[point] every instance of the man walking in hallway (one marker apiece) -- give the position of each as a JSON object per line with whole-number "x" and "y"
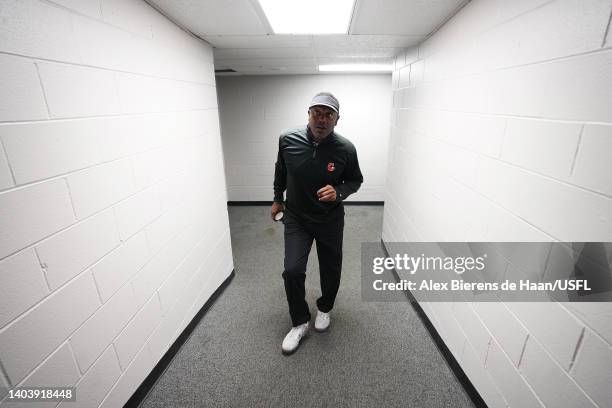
{"x": 319, "y": 169}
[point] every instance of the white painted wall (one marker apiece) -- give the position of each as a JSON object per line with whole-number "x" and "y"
{"x": 255, "y": 109}
{"x": 110, "y": 238}
{"x": 502, "y": 131}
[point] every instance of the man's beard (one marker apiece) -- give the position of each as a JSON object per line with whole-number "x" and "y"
{"x": 319, "y": 138}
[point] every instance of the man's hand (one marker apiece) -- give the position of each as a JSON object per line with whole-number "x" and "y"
{"x": 327, "y": 193}
{"x": 276, "y": 208}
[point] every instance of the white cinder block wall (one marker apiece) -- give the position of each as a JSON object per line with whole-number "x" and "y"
{"x": 254, "y": 110}
{"x": 502, "y": 131}
{"x": 110, "y": 237}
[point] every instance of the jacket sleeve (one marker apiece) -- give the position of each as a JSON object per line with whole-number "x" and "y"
{"x": 280, "y": 175}
{"x": 352, "y": 177}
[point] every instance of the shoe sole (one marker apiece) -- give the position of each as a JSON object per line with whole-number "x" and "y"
{"x": 290, "y": 352}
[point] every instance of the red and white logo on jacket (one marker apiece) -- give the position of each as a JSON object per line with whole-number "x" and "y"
{"x": 331, "y": 166}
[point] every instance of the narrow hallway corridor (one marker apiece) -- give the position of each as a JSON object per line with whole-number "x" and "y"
{"x": 143, "y": 143}
{"x": 375, "y": 354}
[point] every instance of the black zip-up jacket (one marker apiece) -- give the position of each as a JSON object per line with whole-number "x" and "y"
{"x": 303, "y": 167}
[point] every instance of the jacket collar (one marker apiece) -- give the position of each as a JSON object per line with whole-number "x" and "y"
{"x": 311, "y": 137}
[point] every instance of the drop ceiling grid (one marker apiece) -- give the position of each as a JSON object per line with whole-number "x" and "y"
{"x": 239, "y": 33}
{"x": 401, "y": 17}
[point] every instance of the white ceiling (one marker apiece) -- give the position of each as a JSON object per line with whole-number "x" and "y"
{"x": 244, "y": 41}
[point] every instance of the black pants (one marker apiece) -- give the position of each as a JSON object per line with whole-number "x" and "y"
{"x": 299, "y": 235}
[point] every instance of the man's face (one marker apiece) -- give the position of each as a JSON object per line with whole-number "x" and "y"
{"x": 321, "y": 121}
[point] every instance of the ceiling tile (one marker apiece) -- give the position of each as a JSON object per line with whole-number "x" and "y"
{"x": 215, "y": 17}
{"x": 233, "y": 53}
{"x": 242, "y": 38}
{"x": 366, "y": 41}
{"x": 356, "y": 52}
{"x": 272, "y": 62}
{"x": 356, "y": 60}
{"x": 259, "y": 41}
{"x": 270, "y": 71}
{"x": 401, "y": 17}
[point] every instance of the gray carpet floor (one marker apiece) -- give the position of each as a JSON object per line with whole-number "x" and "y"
{"x": 374, "y": 354}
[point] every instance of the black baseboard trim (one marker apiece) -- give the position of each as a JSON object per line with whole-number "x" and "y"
{"x": 141, "y": 393}
{"x": 451, "y": 361}
{"x": 243, "y": 203}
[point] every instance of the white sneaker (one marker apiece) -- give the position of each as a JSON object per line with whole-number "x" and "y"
{"x": 292, "y": 339}
{"x": 322, "y": 321}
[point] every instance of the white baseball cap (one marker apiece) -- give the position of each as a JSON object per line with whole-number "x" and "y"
{"x": 325, "y": 99}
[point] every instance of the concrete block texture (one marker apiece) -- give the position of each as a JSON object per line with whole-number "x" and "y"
{"x": 597, "y": 316}
{"x": 591, "y": 170}
{"x": 99, "y": 187}
{"x": 115, "y": 269}
{"x": 22, "y": 285}
{"x": 97, "y": 235}
{"x": 109, "y": 145}
{"x": 130, "y": 379}
{"x": 552, "y": 385}
{"x": 38, "y": 29}
{"x": 161, "y": 266}
{"x": 137, "y": 212}
{"x": 90, "y": 8}
{"x": 514, "y": 387}
{"x": 557, "y": 329}
{"x": 552, "y": 206}
{"x": 97, "y": 381}
{"x": 23, "y": 345}
{"x": 133, "y": 337}
{"x": 481, "y": 379}
{"x": 4, "y": 387}
{"x": 507, "y": 330}
{"x": 470, "y": 322}
{"x": 25, "y": 221}
{"x": 593, "y": 368}
{"x": 59, "y": 370}
{"x": 42, "y": 150}
{"x": 132, "y": 15}
{"x": 502, "y": 133}
{"x": 92, "y": 338}
{"x": 176, "y": 283}
{"x": 75, "y": 91}
{"x": 23, "y": 95}
{"x": 6, "y": 177}
{"x": 544, "y": 147}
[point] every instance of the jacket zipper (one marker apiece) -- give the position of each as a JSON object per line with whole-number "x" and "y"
{"x": 314, "y": 152}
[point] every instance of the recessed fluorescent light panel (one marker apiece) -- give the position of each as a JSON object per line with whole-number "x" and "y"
{"x": 308, "y": 17}
{"x": 357, "y": 68}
